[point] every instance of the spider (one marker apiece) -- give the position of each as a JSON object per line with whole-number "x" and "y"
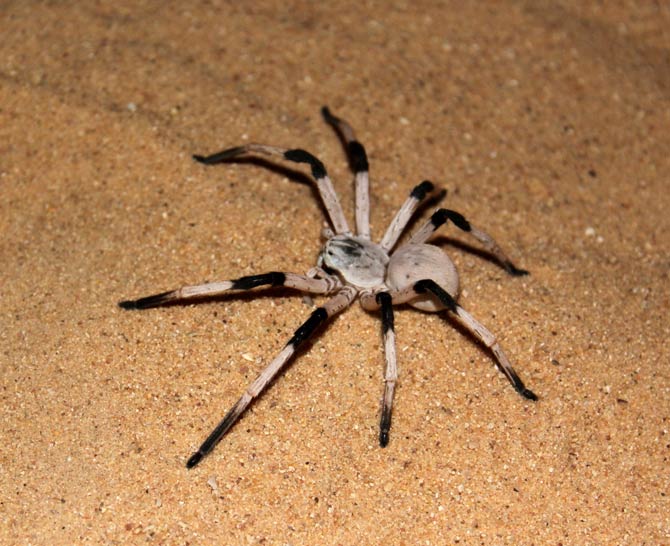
{"x": 381, "y": 275}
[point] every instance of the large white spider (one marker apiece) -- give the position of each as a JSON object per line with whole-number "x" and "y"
{"x": 353, "y": 266}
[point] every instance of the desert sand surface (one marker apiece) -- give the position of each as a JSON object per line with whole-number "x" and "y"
{"x": 548, "y": 125}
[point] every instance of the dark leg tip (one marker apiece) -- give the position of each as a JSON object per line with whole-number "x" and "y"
{"x": 527, "y": 393}
{"x": 194, "y": 459}
{"x": 149, "y": 301}
{"x": 327, "y": 115}
{"x": 220, "y": 156}
{"x": 383, "y": 438}
{"x": 419, "y": 192}
{"x": 515, "y": 271}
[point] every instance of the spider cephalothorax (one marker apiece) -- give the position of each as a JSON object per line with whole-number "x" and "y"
{"x": 350, "y": 266}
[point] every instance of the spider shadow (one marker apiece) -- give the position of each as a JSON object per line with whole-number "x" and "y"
{"x": 293, "y": 175}
{"x": 445, "y": 240}
{"x": 270, "y": 293}
{"x": 448, "y": 318}
{"x": 300, "y": 177}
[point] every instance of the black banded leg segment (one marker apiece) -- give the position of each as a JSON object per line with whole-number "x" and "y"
{"x": 442, "y": 216}
{"x": 302, "y": 283}
{"x": 300, "y": 335}
{"x": 358, "y": 160}
{"x": 385, "y": 303}
{"x": 220, "y": 157}
{"x": 336, "y": 304}
{"x": 297, "y": 155}
{"x": 403, "y": 216}
{"x": 478, "y": 330}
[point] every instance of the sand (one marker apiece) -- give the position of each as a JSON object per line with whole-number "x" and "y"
{"x": 547, "y": 122}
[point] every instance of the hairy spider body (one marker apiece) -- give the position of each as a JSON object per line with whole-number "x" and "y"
{"x": 350, "y": 266}
{"x": 359, "y": 262}
{"x": 412, "y": 263}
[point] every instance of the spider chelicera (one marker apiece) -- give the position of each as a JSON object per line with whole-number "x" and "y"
{"x": 350, "y": 266}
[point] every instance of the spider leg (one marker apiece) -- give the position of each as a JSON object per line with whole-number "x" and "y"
{"x": 479, "y": 331}
{"x": 323, "y": 183}
{"x": 333, "y": 306}
{"x": 358, "y": 160}
{"x": 303, "y": 283}
{"x": 402, "y": 217}
{"x": 385, "y": 301}
{"x": 441, "y": 217}
{"x": 473, "y": 326}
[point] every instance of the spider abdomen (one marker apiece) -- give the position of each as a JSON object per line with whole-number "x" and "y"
{"x": 416, "y": 262}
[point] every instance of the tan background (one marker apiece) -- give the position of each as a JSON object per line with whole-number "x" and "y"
{"x": 547, "y": 122}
